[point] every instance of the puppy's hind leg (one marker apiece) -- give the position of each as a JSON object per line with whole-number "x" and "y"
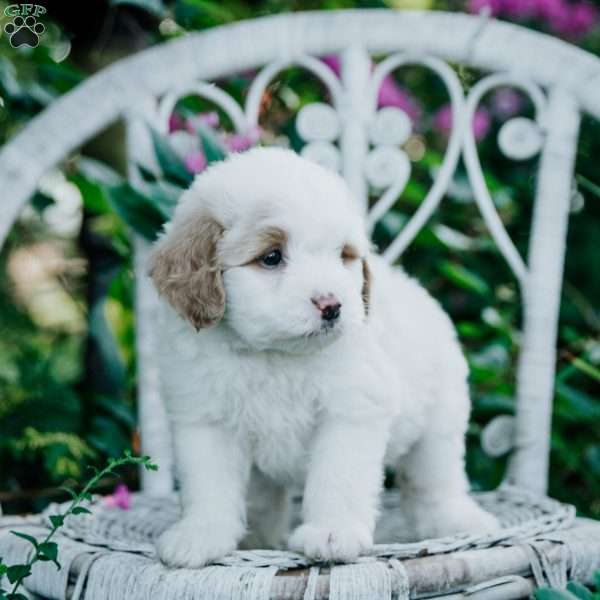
{"x": 434, "y": 488}
{"x": 269, "y": 513}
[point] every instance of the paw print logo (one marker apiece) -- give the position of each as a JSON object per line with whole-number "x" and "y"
{"x": 24, "y": 31}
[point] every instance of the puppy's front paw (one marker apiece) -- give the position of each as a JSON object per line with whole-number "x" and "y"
{"x": 342, "y": 542}
{"x": 191, "y": 544}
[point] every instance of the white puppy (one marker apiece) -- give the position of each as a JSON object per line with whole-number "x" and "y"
{"x": 291, "y": 353}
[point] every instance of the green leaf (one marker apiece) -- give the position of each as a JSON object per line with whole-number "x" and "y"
{"x": 579, "y": 590}
{"x": 138, "y": 211}
{"x": 16, "y": 596}
{"x": 16, "y": 572}
{"x": 590, "y": 186}
{"x": 81, "y": 510}
{"x": 69, "y": 491}
{"x": 146, "y": 174}
{"x": 200, "y": 14}
{"x": 575, "y": 405}
{"x": 147, "y": 462}
{"x": 171, "y": 165}
{"x": 164, "y": 197}
{"x": 117, "y": 409}
{"x": 49, "y": 551}
{"x": 57, "y": 520}
{"x": 214, "y": 150}
{"x": 553, "y": 594}
{"x": 92, "y": 193}
{"x": 586, "y": 368}
{"x": 40, "y": 201}
{"x": 464, "y": 278}
{"x": 26, "y": 537}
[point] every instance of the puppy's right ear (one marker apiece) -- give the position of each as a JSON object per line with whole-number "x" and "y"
{"x": 185, "y": 271}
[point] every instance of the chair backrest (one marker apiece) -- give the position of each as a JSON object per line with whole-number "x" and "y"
{"x": 364, "y": 143}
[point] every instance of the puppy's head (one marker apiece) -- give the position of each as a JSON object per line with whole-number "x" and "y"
{"x": 271, "y": 246}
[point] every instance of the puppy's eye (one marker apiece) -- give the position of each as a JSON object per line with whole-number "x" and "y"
{"x": 272, "y": 259}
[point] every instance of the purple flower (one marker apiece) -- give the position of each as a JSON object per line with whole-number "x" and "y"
{"x": 506, "y": 102}
{"x": 442, "y": 121}
{"x": 195, "y": 162}
{"x": 558, "y": 17}
{"x": 120, "y": 498}
{"x": 519, "y": 9}
{"x": 584, "y": 16}
{"x": 391, "y": 94}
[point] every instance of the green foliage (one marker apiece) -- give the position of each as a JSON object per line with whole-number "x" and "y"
{"x": 171, "y": 165}
{"x": 46, "y": 550}
{"x": 573, "y": 591}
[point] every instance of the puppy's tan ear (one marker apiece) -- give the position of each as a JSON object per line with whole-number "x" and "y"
{"x": 185, "y": 271}
{"x": 366, "y": 287}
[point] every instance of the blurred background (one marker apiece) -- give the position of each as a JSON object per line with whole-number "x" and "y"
{"x": 67, "y": 361}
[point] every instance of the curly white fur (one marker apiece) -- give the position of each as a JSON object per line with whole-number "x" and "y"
{"x": 268, "y": 397}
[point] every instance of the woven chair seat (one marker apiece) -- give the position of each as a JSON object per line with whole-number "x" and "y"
{"x": 110, "y": 554}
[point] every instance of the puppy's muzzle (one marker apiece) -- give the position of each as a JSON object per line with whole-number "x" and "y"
{"x": 329, "y": 306}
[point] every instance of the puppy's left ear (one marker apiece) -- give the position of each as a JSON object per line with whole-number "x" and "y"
{"x": 366, "y": 287}
{"x": 185, "y": 270}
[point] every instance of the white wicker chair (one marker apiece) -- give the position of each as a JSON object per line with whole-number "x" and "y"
{"x": 562, "y": 82}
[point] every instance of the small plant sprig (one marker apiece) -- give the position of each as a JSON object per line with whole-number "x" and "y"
{"x": 47, "y": 550}
{"x": 574, "y": 591}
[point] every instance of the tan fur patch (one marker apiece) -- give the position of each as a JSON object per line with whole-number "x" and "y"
{"x": 251, "y": 246}
{"x": 186, "y": 272}
{"x": 349, "y": 253}
{"x": 366, "y": 288}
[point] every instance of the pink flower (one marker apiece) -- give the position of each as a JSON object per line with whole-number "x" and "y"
{"x": 481, "y": 123}
{"x": 476, "y": 6}
{"x": 176, "y": 122}
{"x": 120, "y": 498}
{"x": 207, "y": 119}
{"x": 391, "y": 94}
{"x": 442, "y": 121}
{"x": 333, "y": 62}
{"x": 506, "y": 102}
{"x": 236, "y": 142}
{"x": 195, "y": 162}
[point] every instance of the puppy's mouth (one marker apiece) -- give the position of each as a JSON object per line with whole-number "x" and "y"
{"x": 325, "y": 330}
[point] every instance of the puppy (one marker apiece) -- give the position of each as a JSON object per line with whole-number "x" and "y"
{"x": 290, "y": 353}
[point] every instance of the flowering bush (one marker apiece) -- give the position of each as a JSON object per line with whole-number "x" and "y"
{"x": 571, "y": 20}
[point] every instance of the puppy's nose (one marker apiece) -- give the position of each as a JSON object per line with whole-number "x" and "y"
{"x": 329, "y": 306}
